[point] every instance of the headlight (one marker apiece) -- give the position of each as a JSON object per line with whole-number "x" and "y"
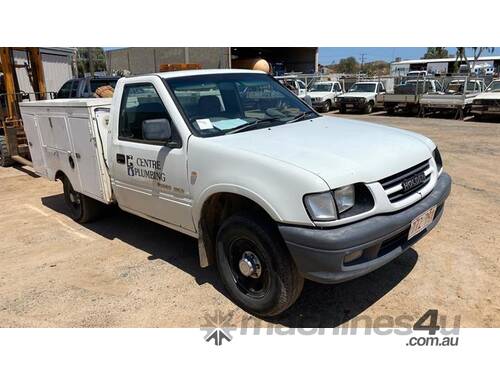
{"x": 437, "y": 158}
{"x": 326, "y": 206}
{"x": 320, "y": 206}
{"x": 344, "y": 197}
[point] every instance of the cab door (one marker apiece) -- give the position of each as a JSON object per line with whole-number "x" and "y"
{"x": 301, "y": 87}
{"x": 149, "y": 177}
{"x": 380, "y": 93}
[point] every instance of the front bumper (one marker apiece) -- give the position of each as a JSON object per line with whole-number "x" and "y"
{"x": 317, "y": 104}
{"x": 352, "y": 105}
{"x": 319, "y": 253}
{"x": 480, "y": 109}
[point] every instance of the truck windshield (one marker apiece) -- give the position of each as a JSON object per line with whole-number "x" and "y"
{"x": 494, "y": 86}
{"x": 217, "y": 104}
{"x": 363, "y": 87}
{"x": 319, "y": 87}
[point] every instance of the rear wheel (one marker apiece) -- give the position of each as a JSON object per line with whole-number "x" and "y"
{"x": 255, "y": 267}
{"x": 5, "y": 160}
{"x": 82, "y": 208}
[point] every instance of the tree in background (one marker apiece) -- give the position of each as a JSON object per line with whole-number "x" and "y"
{"x": 90, "y": 60}
{"x": 436, "y": 53}
{"x": 348, "y": 65}
{"x": 376, "y": 68}
{"x": 476, "y": 51}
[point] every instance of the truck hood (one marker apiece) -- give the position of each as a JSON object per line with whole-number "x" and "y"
{"x": 358, "y": 95}
{"x": 340, "y": 151}
{"x": 489, "y": 95}
{"x": 318, "y": 94}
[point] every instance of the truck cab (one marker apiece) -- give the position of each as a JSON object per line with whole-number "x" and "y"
{"x": 274, "y": 192}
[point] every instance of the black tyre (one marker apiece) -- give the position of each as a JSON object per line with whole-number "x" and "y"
{"x": 5, "y": 160}
{"x": 82, "y": 208}
{"x": 328, "y": 106}
{"x": 369, "y": 108}
{"x": 342, "y": 109}
{"x": 255, "y": 267}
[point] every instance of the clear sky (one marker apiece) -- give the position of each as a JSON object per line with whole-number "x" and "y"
{"x": 329, "y": 54}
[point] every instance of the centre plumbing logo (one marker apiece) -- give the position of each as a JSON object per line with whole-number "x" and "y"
{"x": 218, "y": 327}
{"x": 130, "y": 165}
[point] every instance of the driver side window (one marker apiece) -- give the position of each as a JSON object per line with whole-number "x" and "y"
{"x": 140, "y": 102}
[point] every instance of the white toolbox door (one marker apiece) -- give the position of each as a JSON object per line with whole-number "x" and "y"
{"x": 30, "y": 124}
{"x": 85, "y": 154}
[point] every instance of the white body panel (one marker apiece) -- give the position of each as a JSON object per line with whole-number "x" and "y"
{"x": 63, "y": 136}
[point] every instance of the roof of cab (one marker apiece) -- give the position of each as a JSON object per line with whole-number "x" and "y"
{"x": 197, "y": 72}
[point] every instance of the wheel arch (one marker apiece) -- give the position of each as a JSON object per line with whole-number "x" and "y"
{"x": 219, "y": 203}
{"x": 59, "y": 175}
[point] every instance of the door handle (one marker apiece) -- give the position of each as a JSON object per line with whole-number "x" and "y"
{"x": 120, "y": 158}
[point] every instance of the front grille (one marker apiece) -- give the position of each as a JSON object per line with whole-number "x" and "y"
{"x": 349, "y": 99}
{"x": 393, "y": 184}
{"x": 489, "y": 102}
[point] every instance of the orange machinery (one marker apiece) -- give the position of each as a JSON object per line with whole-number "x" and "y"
{"x": 13, "y": 142}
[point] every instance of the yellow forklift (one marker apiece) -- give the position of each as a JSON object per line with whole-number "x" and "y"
{"x": 13, "y": 143}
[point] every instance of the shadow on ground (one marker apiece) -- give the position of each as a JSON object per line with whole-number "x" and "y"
{"x": 319, "y": 305}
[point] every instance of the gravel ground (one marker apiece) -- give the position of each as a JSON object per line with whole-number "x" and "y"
{"x": 123, "y": 271}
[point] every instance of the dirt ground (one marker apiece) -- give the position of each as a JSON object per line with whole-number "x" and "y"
{"x": 123, "y": 271}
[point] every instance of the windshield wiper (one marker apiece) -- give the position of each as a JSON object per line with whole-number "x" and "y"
{"x": 300, "y": 116}
{"x": 253, "y": 124}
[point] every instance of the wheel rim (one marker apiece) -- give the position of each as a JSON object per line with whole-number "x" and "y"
{"x": 250, "y": 273}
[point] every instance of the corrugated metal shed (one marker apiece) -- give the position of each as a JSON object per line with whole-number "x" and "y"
{"x": 57, "y": 67}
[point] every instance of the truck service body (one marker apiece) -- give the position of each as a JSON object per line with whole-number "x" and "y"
{"x": 273, "y": 191}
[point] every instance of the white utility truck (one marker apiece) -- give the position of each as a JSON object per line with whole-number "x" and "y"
{"x": 457, "y": 97}
{"x": 323, "y": 94}
{"x": 488, "y": 102}
{"x": 273, "y": 191}
{"x": 364, "y": 96}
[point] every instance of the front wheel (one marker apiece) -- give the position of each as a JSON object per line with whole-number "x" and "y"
{"x": 255, "y": 267}
{"x": 328, "y": 106}
{"x": 369, "y": 108}
{"x": 82, "y": 208}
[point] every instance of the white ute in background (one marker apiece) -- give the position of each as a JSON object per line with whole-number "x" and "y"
{"x": 323, "y": 95}
{"x": 362, "y": 96}
{"x": 274, "y": 192}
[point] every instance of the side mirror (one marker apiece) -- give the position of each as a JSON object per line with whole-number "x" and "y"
{"x": 156, "y": 130}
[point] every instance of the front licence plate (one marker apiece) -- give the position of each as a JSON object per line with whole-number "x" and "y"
{"x": 421, "y": 222}
{"x": 349, "y": 105}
